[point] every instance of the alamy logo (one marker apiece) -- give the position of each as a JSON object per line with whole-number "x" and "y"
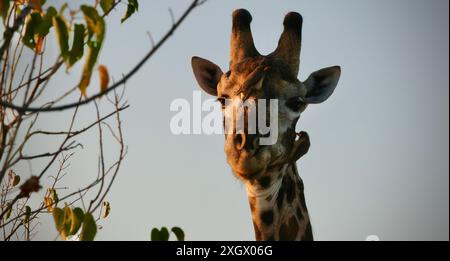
{"x": 229, "y": 116}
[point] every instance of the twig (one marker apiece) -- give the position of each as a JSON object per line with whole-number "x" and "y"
{"x": 50, "y": 154}
{"x": 9, "y": 32}
{"x": 135, "y": 69}
{"x": 112, "y": 7}
{"x": 152, "y": 41}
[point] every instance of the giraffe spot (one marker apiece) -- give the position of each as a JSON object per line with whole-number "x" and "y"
{"x": 288, "y": 188}
{"x": 290, "y": 193}
{"x": 301, "y": 194}
{"x": 308, "y": 236}
{"x": 303, "y": 201}
{"x": 283, "y": 232}
{"x": 258, "y": 234}
{"x": 300, "y": 185}
{"x": 267, "y": 217}
{"x": 264, "y": 182}
{"x": 289, "y": 230}
{"x": 299, "y": 214}
{"x": 280, "y": 197}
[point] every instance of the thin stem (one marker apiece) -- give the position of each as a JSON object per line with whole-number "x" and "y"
{"x": 124, "y": 79}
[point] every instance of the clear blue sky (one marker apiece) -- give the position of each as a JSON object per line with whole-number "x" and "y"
{"x": 378, "y": 163}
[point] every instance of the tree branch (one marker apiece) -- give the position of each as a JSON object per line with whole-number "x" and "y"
{"x": 152, "y": 51}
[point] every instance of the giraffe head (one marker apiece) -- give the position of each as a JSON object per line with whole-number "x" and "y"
{"x": 255, "y": 77}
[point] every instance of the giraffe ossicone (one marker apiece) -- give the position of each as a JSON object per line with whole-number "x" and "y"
{"x": 269, "y": 172}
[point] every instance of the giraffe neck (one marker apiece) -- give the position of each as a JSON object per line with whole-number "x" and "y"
{"x": 278, "y": 205}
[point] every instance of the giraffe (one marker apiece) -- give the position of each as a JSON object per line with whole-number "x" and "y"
{"x": 274, "y": 188}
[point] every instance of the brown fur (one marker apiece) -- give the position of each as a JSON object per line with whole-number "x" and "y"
{"x": 275, "y": 190}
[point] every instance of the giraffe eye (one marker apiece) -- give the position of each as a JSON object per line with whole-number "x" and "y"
{"x": 295, "y": 104}
{"x": 222, "y": 101}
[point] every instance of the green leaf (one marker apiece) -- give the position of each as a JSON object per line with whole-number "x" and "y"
{"x": 96, "y": 27}
{"x": 63, "y": 8}
{"x": 54, "y": 196}
{"x": 63, "y": 220}
{"x": 8, "y": 213}
{"x": 58, "y": 218}
{"x": 4, "y": 8}
{"x": 89, "y": 228}
{"x": 67, "y": 223}
{"x": 91, "y": 59}
{"x": 77, "y": 217}
{"x": 179, "y": 233}
{"x": 33, "y": 22}
{"x": 106, "y": 5}
{"x": 38, "y": 26}
{"x": 62, "y": 35}
{"x": 95, "y": 23}
{"x": 164, "y": 234}
{"x": 155, "y": 235}
{"x": 133, "y": 6}
{"x": 26, "y": 219}
{"x": 76, "y": 53}
{"x": 51, "y": 12}
{"x": 47, "y": 22}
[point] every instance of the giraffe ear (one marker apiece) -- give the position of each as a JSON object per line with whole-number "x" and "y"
{"x": 321, "y": 84}
{"x": 207, "y": 74}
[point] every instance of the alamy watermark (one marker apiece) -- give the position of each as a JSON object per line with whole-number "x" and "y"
{"x": 228, "y": 116}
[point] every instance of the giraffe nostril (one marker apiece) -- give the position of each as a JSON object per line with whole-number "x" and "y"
{"x": 250, "y": 142}
{"x": 240, "y": 140}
